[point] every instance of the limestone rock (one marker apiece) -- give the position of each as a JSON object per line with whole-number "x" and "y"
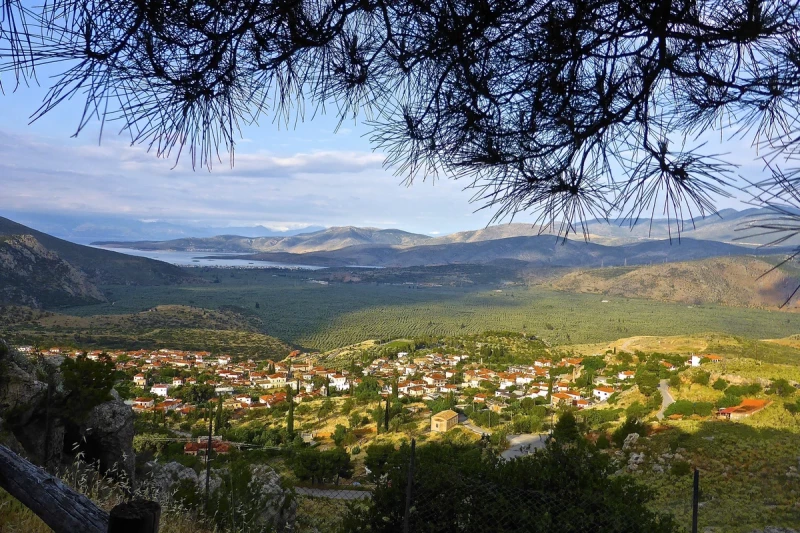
{"x": 108, "y": 434}
{"x": 630, "y": 441}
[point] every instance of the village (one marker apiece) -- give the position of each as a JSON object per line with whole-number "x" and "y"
{"x": 242, "y": 386}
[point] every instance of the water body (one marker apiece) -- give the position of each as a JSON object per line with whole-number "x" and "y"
{"x": 199, "y": 259}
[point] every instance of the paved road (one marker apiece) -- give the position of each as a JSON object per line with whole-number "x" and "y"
{"x": 464, "y": 421}
{"x": 520, "y": 445}
{"x": 666, "y": 398}
{"x": 334, "y": 494}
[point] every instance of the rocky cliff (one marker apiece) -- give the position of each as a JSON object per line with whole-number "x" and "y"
{"x": 34, "y": 422}
{"x": 34, "y": 276}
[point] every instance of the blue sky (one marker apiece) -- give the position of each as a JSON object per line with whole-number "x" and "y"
{"x": 283, "y": 178}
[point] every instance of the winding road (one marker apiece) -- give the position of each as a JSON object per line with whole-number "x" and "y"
{"x": 666, "y": 398}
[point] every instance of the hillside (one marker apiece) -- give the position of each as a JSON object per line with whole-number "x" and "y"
{"x": 324, "y": 240}
{"x": 733, "y": 281}
{"x": 101, "y": 267}
{"x": 229, "y": 330}
{"x": 34, "y": 276}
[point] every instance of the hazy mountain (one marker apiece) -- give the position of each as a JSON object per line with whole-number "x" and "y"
{"x": 34, "y": 276}
{"x": 736, "y": 281}
{"x": 86, "y": 229}
{"x": 542, "y": 250}
{"x": 325, "y": 240}
{"x": 100, "y": 266}
{"x": 730, "y": 226}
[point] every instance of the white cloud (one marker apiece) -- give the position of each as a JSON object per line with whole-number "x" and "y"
{"x": 274, "y": 189}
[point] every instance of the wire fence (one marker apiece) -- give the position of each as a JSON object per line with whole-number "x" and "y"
{"x": 449, "y": 501}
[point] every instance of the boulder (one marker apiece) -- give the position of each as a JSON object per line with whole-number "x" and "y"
{"x": 21, "y": 394}
{"x": 278, "y": 508}
{"x": 108, "y": 432}
{"x": 630, "y": 441}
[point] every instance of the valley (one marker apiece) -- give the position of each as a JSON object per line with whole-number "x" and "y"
{"x": 317, "y": 375}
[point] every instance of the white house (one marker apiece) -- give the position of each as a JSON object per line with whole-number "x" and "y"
{"x": 245, "y": 399}
{"x": 602, "y": 393}
{"x": 140, "y": 380}
{"x": 339, "y": 382}
{"x": 627, "y": 374}
{"x": 160, "y": 389}
{"x": 696, "y": 360}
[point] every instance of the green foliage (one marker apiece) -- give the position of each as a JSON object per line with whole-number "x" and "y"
{"x": 647, "y": 380}
{"x": 680, "y": 468}
{"x": 720, "y": 384}
{"x": 595, "y": 418}
{"x": 603, "y": 443}
{"x": 567, "y": 430}
{"x": 593, "y": 364}
{"x": 687, "y": 408}
{"x": 341, "y": 314}
{"x": 87, "y": 383}
{"x": 310, "y": 464}
{"x": 728, "y": 401}
{"x": 631, "y": 425}
{"x": 196, "y": 394}
{"x": 781, "y": 387}
{"x": 369, "y": 389}
{"x": 537, "y": 493}
{"x": 701, "y": 377}
{"x": 675, "y": 381}
{"x": 339, "y": 434}
{"x": 743, "y": 390}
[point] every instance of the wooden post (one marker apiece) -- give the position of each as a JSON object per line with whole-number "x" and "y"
{"x": 59, "y": 506}
{"x": 137, "y": 516}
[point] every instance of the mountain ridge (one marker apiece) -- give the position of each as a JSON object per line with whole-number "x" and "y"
{"x": 102, "y": 267}
{"x": 728, "y": 226}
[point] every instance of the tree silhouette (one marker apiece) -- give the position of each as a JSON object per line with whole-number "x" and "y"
{"x": 573, "y": 109}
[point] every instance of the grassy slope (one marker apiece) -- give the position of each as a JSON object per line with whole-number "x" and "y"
{"x": 734, "y": 281}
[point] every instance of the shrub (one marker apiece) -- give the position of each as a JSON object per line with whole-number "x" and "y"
{"x": 743, "y": 390}
{"x": 680, "y": 468}
{"x": 781, "y": 387}
{"x": 703, "y": 408}
{"x": 728, "y": 401}
{"x": 631, "y": 425}
{"x": 701, "y": 377}
{"x": 602, "y": 442}
{"x": 675, "y": 381}
{"x": 720, "y": 384}
{"x": 680, "y": 407}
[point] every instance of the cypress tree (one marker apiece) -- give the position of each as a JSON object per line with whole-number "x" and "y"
{"x": 290, "y": 418}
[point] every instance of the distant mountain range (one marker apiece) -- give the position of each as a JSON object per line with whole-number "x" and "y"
{"x": 325, "y": 240}
{"x": 541, "y": 250}
{"x": 85, "y": 229}
{"x": 610, "y": 244}
{"x": 38, "y": 270}
{"x": 730, "y": 226}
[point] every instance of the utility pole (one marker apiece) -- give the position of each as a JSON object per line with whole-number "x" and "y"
{"x": 208, "y": 458}
{"x": 386, "y": 416}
